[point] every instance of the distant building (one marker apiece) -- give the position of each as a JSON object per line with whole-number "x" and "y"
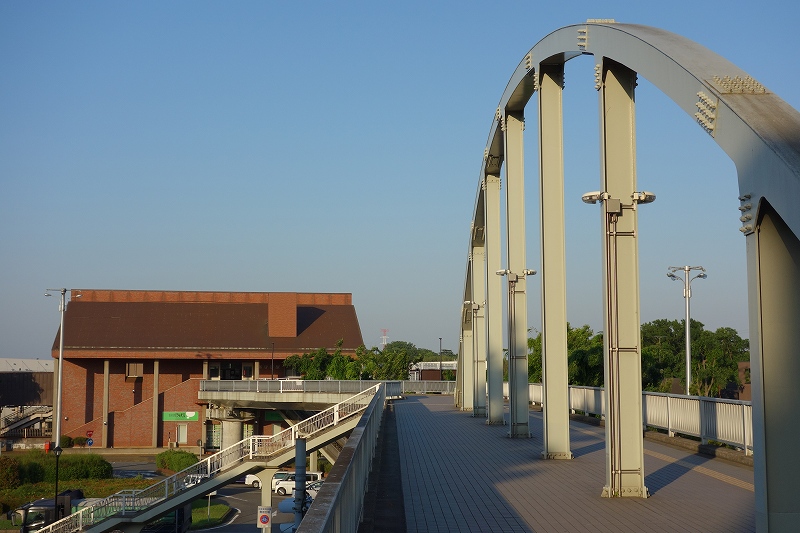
{"x": 26, "y": 382}
{"x": 133, "y": 360}
{"x": 431, "y": 370}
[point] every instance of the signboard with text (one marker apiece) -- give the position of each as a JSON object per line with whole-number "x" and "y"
{"x": 264, "y": 516}
{"x": 180, "y": 416}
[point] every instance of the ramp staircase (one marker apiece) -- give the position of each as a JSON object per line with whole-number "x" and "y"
{"x": 14, "y": 425}
{"x": 131, "y": 510}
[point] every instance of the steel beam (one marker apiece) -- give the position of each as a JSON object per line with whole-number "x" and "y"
{"x": 479, "y": 328}
{"x": 555, "y": 377}
{"x": 514, "y": 125}
{"x": 494, "y": 301}
{"x": 775, "y": 368}
{"x": 623, "y": 368}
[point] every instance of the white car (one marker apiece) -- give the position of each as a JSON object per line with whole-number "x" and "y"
{"x": 252, "y": 480}
{"x": 285, "y": 486}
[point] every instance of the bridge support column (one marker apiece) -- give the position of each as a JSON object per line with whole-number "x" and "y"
{"x": 466, "y": 366}
{"x": 555, "y": 377}
{"x": 266, "y": 476}
{"x": 494, "y": 301}
{"x": 518, "y": 397}
{"x": 622, "y": 365}
{"x": 479, "y": 329}
{"x": 773, "y": 256}
{"x": 232, "y": 432}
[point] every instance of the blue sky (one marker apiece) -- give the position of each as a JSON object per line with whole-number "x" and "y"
{"x": 335, "y": 147}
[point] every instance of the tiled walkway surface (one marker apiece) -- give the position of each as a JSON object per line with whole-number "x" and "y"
{"x": 460, "y": 475}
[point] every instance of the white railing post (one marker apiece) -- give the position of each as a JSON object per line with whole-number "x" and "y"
{"x": 670, "y": 433}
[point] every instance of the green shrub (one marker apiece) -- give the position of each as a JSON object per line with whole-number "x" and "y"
{"x": 66, "y": 442}
{"x": 36, "y": 467}
{"x": 90, "y": 466}
{"x": 80, "y": 441}
{"x": 9, "y": 472}
{"x": 175, "y": 460}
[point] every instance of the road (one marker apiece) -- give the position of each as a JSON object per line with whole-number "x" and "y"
{"x": 246, "y": 501}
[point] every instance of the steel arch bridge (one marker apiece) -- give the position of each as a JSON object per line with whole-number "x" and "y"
{"x": 758, "y": 131}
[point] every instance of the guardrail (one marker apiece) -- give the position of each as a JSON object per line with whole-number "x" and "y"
{"x": 393, "y": 388}
{"x": 428, "y": 387}
{"x": 717, "y": 419}
{"x": 258, "y": 446}
{"x": 339, "y": 503}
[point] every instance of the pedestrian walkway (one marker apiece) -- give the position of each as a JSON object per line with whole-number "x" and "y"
{"x": 459, "y": 474}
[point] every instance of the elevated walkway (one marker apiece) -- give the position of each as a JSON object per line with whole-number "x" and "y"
{"x": 129, "y": 511}
{"x": 459, "y": 474}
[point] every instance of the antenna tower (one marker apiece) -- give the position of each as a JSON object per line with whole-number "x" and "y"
{"x": 384, "y": 338}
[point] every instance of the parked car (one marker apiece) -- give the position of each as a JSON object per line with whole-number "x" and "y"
{"x": 252, "y": 480}
{"x": 285, "y": 486}
{"x": 279, "y": 476}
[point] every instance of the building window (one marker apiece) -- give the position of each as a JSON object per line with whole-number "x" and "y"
{"x": 182, "y": 434}
{"x": 247, "y": 371}
{"x": 213, "y": 371}
{"x": 134, "y": 370}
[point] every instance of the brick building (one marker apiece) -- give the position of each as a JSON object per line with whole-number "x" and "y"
{"x": 133, "y": 360}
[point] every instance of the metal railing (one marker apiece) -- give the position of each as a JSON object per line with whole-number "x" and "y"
{"x": 428, "y": 387}
{"x": 393, "y": 388}
{"x": 340, "y": 502}
{"x": 131, "y": 502}
{"x": 726, "y": 421}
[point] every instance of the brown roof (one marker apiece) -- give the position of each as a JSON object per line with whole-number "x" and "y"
{"x": 203, "y": 326}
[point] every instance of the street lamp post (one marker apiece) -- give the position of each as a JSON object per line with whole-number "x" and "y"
{"x": 56, "y": 507}
{"x": 441, "y": 374}
{"x": 57, "y": 451}
{"x": 62, "y": 308}
{"x": 272, "y": 372}
{"x": 687, "y": 279}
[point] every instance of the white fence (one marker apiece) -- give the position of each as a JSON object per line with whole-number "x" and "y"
{"x": 726, "y": 421}
{"x": 393, "y": 388}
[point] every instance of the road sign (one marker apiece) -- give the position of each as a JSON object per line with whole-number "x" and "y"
{"x": 89, "y": 434}
{"x": 89, "y": 442}
{"x": 264, "y": 516}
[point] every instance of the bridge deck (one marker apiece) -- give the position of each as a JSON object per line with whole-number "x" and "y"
{"x": 461, "y": 475}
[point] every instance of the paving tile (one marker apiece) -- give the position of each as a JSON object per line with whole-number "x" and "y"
{"x": 458, "y": 474}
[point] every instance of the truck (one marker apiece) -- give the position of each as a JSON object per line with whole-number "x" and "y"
{"x": 35, "y": 515}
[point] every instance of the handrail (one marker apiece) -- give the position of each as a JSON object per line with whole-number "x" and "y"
{"x": 257, "y": 446}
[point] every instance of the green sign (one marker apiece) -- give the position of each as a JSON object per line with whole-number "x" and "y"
{"x": 180, "y": 416}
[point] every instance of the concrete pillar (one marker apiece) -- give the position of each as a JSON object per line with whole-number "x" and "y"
{"x": 466, "y": 366}
{"x": 156, "y": 410}
{"x": 494, "y": 301}
{"x": 105, "y": 402}
{"x": 773, "y": 262}
{"x": 232, "y": 432}
{"x": 518, "y": 397}
{"x": 479, "y": 329}
{"x": 555, "y": 380}
{"x": 623, "y": 369}
{"x": 265, "y": 476}
{"x": 313, "y": 461}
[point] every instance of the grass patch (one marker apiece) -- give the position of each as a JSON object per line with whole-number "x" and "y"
{"x": 205, "y": 517}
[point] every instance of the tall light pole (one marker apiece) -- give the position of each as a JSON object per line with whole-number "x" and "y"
{"x": 57, "y": 451}
{"x": 272, "y": 372}
{"x": 687, "y": 279}
{"x": 441, "y": 374}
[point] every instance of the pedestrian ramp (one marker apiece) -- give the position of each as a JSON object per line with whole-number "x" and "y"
{"x": 129, "y": 511}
